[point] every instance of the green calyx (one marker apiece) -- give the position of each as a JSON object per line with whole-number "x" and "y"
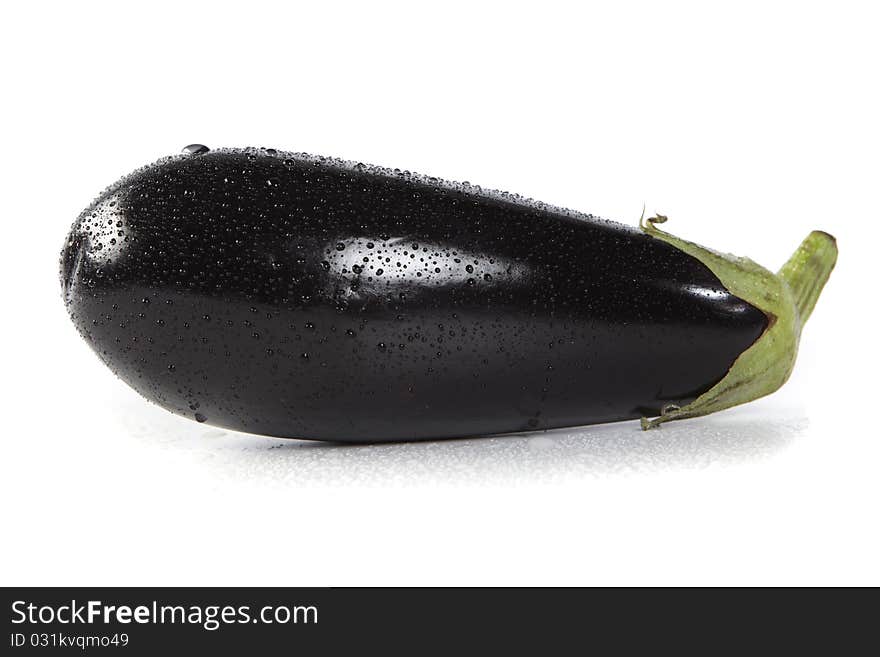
{"x": 787, "y": 298}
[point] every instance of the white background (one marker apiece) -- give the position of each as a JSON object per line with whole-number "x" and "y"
{"x": 749, "y": 126}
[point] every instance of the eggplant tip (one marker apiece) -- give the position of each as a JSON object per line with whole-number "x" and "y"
{"x": 787, "y": 298}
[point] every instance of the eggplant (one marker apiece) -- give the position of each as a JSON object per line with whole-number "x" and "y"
{"x": 307, "y": 297}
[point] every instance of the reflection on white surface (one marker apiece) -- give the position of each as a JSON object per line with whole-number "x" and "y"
{"x": 735, "y": 437}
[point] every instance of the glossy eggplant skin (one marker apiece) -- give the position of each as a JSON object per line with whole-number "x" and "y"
{"x": 303, "y": 297}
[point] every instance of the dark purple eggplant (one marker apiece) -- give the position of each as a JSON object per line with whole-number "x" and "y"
{"x": 306, "y": 297}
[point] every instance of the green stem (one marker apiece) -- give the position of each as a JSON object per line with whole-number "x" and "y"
{"x": 787, "y": 298}
{"x": 807, "y": 271}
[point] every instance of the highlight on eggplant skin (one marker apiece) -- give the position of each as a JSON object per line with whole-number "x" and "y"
{"x": 306, "y": 297}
